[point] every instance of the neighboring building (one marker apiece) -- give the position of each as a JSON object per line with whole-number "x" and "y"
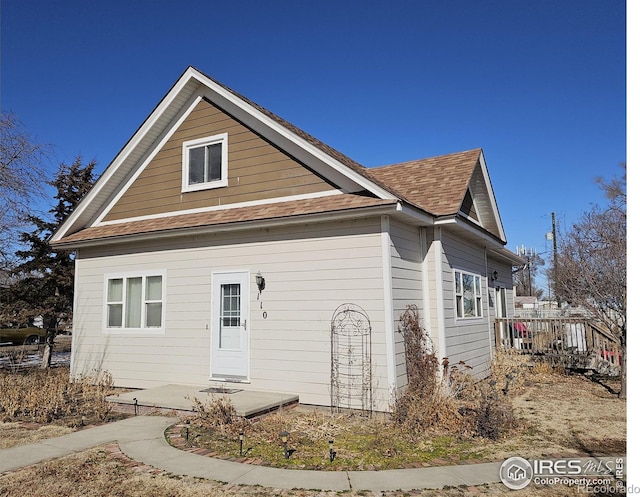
{"x": 526, "y": 302}
{"x": 213, "y": 189}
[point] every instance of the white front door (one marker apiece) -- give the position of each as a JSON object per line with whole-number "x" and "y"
{"x": 230, "y": 326}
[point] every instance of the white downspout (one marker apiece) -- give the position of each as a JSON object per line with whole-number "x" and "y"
{"x": 387, "y": 280}
{"x": 426, "y": 294}
{"x": 442, "y": 344}
{"x": 489, "y": 327}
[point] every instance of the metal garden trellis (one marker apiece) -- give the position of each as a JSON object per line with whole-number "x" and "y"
{"x": 351, "y": 377}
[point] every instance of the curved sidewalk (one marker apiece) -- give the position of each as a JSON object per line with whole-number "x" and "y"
{"x": 142, "y": 438}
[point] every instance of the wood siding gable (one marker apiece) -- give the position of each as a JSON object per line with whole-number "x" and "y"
{"x": 257, "y": 170}
{"x": 479, "y": 204}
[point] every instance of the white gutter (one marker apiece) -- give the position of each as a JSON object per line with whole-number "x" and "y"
{"x": 230, "y": 227}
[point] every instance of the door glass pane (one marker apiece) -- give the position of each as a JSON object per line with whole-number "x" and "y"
{"x": 134, "y": 303}
{"x": 230, "y": 316}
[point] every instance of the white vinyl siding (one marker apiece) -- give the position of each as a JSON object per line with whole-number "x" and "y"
{"x": 466, "y": 339}
{"x": 308, "y": 274}
{"x": 406, "y": 275}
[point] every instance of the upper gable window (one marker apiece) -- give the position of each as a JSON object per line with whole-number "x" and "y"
{"x": 204, "y": 163}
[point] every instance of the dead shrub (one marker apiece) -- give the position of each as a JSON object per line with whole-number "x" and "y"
{"x": 509, "y": 370}
{"x": 217, "y": 413}
{"x": 494, "y": 414}
{"x": 446, "y": 397}
{"x": 46, "y": 395}
{"x": 427, "y": 400}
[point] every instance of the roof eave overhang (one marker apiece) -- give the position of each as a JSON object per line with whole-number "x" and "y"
{"x": 353, "y": 213}
{"x": 492, "y": 243}
{"x": 468, "y": 229}
{"x": 492, "y": 197}
{"x": 191, "y": 84}
{"x": 507, "y": 255}
{"x": 413, "y": 215}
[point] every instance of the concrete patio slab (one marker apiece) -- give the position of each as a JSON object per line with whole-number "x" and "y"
{"x": 180, "y": 398}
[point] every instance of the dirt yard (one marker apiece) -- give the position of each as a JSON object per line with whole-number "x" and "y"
{"x": 557, "y": 415}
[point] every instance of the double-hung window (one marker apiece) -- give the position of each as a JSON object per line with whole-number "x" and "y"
{"x": 135, "y": 302}
{"x": 204, "y": 163}
{"x": 468, "y": 289}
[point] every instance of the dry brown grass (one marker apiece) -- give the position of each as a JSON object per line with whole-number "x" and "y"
{"x": 558, "y": 414}
{"x": 12, "y": 434}
{"x": 99, "y": 473}
{"x": 44, "y": 396}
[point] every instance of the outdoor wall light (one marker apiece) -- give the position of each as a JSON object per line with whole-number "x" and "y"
{"x": 284, "y": 436}
{"x": 241, "y": 439}
{"x": 332, "y": 453}
{"x": 494, "y": 276}
{"x": 260, "y": 281}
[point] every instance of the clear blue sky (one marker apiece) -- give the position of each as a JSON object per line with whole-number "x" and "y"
{"x": 539, "y": 85}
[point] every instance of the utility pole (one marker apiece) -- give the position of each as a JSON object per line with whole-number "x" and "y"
{"x": 529, "y": 254}
{"x": 555, "y": 258}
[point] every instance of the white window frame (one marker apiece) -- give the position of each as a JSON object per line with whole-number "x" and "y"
{"x": 187, "y": 146}
{"x": 143, "y": 329}
{"x": 478, "y": 300}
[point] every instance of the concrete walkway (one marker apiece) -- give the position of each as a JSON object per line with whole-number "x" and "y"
{"x": 142, "y": 438}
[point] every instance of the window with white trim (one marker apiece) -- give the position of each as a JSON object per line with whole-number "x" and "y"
{"x": 468, "y": 289}
{"x": 204, "y": 163}
{"x": 135, "y": 302}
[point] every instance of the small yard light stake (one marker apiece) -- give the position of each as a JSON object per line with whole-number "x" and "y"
{"x": 240, "y": 439}
{"x": 284, "y": 436}
{"x": 332, "y": 453}
{"x": 187, "y": 422}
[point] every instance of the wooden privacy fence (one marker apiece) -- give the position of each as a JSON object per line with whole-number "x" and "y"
{"x": 579, "y": 341}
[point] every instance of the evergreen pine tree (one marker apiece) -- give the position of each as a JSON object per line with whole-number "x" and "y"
{"x": 44, "y": 278}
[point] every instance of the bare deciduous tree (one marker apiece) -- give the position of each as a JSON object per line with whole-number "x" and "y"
{"x": 22, "y": 179}
{"x": 592, "y": 264}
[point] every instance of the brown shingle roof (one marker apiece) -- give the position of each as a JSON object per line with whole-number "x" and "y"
{"x": 279, "y": 210}
{"x": 436, "y": 184}
{"x": 330, "y": 151}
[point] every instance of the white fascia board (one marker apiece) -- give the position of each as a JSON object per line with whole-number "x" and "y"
{"x": 492, "y": 197}
{"x": 232, "y": 104}
{"x": 418, "y": 216}
{"x": 282, "y": 136}
{"x": 238, "y": 226}
{"x": 506, "y": 254}
{"x": 459, "y": 224}
{"x": 106, "y": 179}
{"x": 170, "y": 130}
{"x": 215, "y": 208}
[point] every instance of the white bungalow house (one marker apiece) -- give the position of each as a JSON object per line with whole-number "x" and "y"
{"x": 213, "y": 190}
